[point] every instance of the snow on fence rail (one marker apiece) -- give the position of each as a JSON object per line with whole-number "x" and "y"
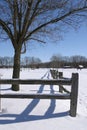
{"x": 73, "y": 82}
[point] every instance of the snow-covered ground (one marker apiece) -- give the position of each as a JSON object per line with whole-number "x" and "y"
{"x": 38, "y": 114}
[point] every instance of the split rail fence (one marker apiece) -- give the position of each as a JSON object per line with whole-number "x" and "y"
{"x": 72, "y": 96}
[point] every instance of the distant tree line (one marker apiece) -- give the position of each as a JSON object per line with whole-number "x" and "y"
{"x": 6, "y": 61}
{"x": 56, "y": 61}
{"x": 25, "y": 62}
{"x": 76, "y": 61}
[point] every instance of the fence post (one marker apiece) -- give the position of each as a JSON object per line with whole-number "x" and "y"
{"x": 60, "y": 86}
{"x": 74, "y": 95}
{"x": 0, "y": 94}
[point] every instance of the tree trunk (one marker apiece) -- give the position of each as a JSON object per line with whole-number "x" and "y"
{"x": 16, "y": 68}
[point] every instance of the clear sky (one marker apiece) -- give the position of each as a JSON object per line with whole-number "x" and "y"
{"x": 73, "y": 43}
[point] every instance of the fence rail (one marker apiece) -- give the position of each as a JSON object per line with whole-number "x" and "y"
{"x": 36, "y": 81}
{"x": 73, "y": 82}
{"x": 35, "y": 96}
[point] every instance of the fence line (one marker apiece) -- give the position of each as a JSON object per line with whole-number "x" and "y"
{"x": 73, "y": 82}
{"x": 59, "y": 75}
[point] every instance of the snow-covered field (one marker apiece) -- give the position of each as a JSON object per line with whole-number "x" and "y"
{"x": 38, "y": 114}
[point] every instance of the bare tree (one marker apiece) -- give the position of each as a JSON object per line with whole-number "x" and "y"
{"x": 56, "y": 57}
{"x": 24, "y": 20}
{"x": 77, "y": 60}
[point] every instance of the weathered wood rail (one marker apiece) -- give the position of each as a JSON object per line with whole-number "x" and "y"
{"x": 73, "y": 82}
{"x": 58, "y": 75}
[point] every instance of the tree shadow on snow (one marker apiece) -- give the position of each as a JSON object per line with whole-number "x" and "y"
{"x": 24, "y": 116}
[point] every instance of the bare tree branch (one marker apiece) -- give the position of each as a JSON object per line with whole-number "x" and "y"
{"x": 55, "y": 20}
{"x": 35, "y": 39}
{"x": 6, "y": 29}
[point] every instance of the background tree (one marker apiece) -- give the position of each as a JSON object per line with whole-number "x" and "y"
{"x": 24, "y": 20}
{"x": 56, "y": 57}
{"x": 56, "y": 60}
{"x": 78, "y": 60}
{"x": 26, "y": 61}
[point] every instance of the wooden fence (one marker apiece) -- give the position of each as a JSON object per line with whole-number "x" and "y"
{"x": 58, "y": 75}
{"x": 73, "y": 82}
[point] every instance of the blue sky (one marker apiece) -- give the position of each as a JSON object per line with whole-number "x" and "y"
{"x": 73, "y": 43}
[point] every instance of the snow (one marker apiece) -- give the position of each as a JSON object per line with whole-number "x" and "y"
{"x": 42, "y": 114}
